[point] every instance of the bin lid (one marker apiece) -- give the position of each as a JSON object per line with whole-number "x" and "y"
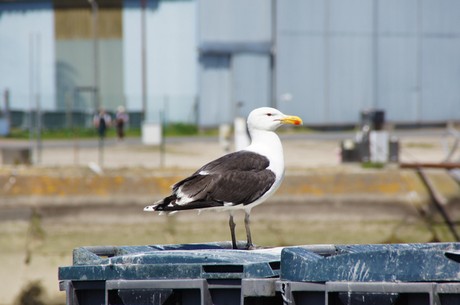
{"x": 373, "y": 263}
{"x": 207, "y": 261}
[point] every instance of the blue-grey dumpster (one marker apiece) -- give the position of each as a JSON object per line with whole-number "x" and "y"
{"x": 213, "y": 273}
{"x": 170, "y": 274}
{"x": 372, "y": 274}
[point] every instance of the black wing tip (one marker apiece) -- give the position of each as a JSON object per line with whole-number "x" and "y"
{"x": 160, "y": 205}
{"x": 151, "y": 208}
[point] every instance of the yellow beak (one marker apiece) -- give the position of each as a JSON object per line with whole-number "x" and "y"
{"x": 291, "y": 119}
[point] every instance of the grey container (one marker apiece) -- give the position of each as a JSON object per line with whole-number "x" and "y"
{"x": 213, "y": 273}
{"x": 397, "y": 274}
{"x": 170, "y": 274}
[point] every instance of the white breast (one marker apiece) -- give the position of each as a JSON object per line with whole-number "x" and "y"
{"x": 267, "y": 143}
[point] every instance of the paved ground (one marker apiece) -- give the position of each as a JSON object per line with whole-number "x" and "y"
{"x": 305, "y": 150}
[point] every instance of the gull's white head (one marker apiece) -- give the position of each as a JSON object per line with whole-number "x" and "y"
{"x": 266, "y": 118}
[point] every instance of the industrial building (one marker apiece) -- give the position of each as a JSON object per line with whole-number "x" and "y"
{"x": 207, "y": 61}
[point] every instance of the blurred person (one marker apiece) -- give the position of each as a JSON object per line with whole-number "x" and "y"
{"x": 121, "y": 119}
{"x": 102, "y": 121}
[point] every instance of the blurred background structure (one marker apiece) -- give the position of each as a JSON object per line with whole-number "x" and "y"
{"x": 324, "y": 60}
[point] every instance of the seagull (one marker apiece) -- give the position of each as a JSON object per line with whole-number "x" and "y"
{"x": 236, "y": 181}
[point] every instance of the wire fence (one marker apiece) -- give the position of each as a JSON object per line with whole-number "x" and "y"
{"x": 169, "y": 109}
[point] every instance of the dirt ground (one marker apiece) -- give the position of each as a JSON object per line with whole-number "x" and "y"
{"x": 36, "y": 240}
{"x": 33, "y": 249}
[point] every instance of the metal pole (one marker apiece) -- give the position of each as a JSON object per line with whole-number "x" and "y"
{"x": 162, "y": 140}
{"x": 94, "y": 11}
{"x": 7, "y": 109}
{"x": 31, "y": 89}
{"x": 97, "y": 102}
{"x": 34, "y": 78}
{"x": 163, "y": 123}
{"x": 326, "y": 46}
{"x": 419, "y": 54}
{"x": 143, "y": 59}
{"x": 375, "y": 47}
{"x": 38, "y": 104}
{"x": 70, "y": 105}
{"x": 273, "y": 91}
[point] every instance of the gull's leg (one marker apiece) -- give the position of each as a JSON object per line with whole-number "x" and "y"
{"x": 248, "y": 230}
{"x": 231, "y": 223}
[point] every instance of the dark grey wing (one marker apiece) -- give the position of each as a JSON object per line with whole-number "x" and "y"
{"x": 238, "y": 187}
{"x": 236, "y": 178}
{"x": 241, "y": 160}
{"x": 231, "y": 188}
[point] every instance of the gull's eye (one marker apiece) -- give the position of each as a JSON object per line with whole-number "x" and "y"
{"x": 269, "y": 114}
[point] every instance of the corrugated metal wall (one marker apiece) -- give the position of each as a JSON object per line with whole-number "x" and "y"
{"x": 338, "y": 57}
{"x": 335, "y": 58}
{"x": 234, "y": 39}
{"x": 215, "y": 103}
{"x": 75, "y": 58}
{"x": 251, "y": 80}
{"x": 171, "y": 58}
{"x": 332, "y": 58}
{"x": 27, "y": 53}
